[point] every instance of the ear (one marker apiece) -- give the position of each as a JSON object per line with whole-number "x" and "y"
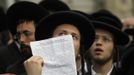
{"x": 78, "y": 57}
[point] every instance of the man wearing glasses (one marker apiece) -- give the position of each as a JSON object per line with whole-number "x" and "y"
{"x": 22, "y": 18}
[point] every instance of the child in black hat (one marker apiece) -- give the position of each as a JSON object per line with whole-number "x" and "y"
{"x": 104, "y": 49}
{"x": 63, "y": 23}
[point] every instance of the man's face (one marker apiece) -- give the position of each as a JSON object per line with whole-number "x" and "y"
{"x": 102, "y": 49}
{"x": 26, "y": 32}
{"x": 65, "y": 29}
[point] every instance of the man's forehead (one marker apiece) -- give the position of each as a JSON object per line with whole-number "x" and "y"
{"x": 25, "y": 30}
{"x": 103, "y": 32}
{"x": 26, "y": 25}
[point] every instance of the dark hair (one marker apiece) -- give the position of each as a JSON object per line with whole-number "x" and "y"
{"x": 25, "y": 20}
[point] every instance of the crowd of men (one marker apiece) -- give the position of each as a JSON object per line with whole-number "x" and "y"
{"x": 101, "y": 45}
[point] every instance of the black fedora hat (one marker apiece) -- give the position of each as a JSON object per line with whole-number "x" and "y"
{"x": 121, "y": 38}
{"x": 24, "y": 10}
{"x": 3, "y": 20}
{"x": 107, "y": 17}
{"x": 54, "y": 5}
{"x": 84, "y": 14}
{"x": 48, "y": 24}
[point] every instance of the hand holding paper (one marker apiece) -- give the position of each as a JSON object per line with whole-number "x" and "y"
{"x": 58, "y": 54}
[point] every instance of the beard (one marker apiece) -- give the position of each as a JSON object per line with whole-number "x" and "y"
{"x": 26, "y": 51}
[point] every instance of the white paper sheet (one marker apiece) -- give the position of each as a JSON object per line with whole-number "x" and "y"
{"x": 58, "y": 55}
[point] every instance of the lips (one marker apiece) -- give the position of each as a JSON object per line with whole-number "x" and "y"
{"x": 98, "y": 50}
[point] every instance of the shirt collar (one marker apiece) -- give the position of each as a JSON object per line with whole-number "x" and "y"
{"x": 94, "y": 73}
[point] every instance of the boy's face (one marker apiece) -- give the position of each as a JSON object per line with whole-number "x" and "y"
{"x": 102, "y": 49}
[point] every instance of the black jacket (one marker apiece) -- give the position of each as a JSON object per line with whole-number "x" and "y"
{"x": 9, "y": 55}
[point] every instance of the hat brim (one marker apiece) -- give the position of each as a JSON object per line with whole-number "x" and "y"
{"x": 121, "y": 38}
{"x": 24, "y": 10}
{"x": 49, "y": 23}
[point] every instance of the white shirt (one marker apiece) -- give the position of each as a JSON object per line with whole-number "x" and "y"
{"x": 94, "y": 73}
{"x": 79, "y": 70}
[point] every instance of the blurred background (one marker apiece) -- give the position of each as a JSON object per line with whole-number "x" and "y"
{"x": 121, "y": 8}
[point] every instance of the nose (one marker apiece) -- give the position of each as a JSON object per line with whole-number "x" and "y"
{"x": 22, "y": 38}
{"x": 98, "y": 42}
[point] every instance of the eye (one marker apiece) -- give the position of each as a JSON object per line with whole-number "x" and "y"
{"x": 27, "y": 33}
{"x": 75, "y": 37}
{"x": 60, "y": 34}
{"x": 107, "y": 39}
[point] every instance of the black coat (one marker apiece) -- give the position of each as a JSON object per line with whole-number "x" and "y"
{"x": 9, "y": 55}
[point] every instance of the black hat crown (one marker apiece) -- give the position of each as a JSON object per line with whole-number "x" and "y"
{"x": 107, "y": 17}
{"x": 54, "y": 5}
